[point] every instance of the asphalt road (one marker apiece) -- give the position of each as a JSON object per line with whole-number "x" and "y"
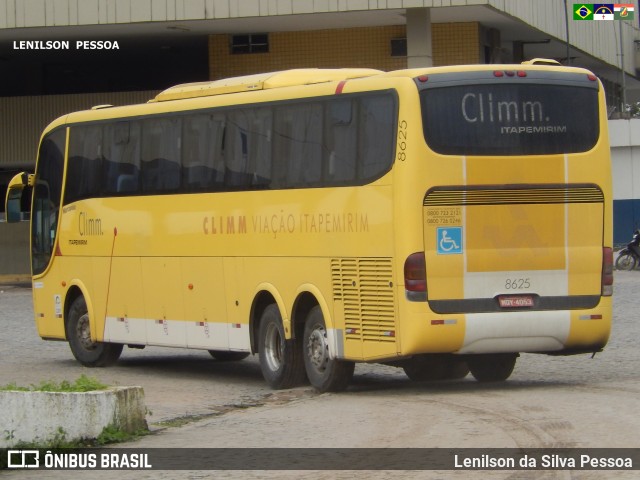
{"x": 556, "y": 402}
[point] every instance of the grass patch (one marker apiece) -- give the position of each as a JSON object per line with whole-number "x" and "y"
{"x": 109, "y": 435}
{"x": 112, "y": 434}
{"x": 82, "y": 384}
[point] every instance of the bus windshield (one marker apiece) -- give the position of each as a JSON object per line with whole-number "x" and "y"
{"x": 501, "y": 118}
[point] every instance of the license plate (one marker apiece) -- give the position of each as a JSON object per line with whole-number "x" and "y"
{"x": 515, "y": 301}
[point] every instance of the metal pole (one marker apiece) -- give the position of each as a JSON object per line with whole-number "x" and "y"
{"x": 566, "y": 25}
{"x": 624, "y": 83}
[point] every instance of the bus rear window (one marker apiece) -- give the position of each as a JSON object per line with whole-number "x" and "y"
{"x": 510, "y": 119}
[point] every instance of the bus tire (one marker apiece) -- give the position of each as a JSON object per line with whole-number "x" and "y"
{"x": 429, "y": 368}
{"x": 492, "y": 368}
{"x": 458, "y": 369}
{"x": 228, "y": 356}
{"x": 85, "y": 350}
{"x": 325, "y": 374}
{"x": 280, "y": 359}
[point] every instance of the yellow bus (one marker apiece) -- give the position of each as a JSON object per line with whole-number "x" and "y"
{"x": 441, "y": 220}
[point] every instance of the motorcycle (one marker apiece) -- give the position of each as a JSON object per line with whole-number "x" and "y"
{"x": 629, "y": 257}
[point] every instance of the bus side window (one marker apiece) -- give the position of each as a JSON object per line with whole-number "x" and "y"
{"x": 259, "y": 148}
{"x": 161, "y": 154}
{"x": 341, "y": 140}
{"x": 122, "y": 157}
{"x": 84, "y": 170}
{"x": 127, "y": 183}
{"x": 235, "y": 150}
{"x": 297, "y": 145}
{"x": 247, "y": 149}
{"x": 376, "y": 126}
{"x": 202, "y": 161}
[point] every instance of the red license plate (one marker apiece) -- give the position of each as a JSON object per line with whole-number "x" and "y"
{"x": 515, "y": 301}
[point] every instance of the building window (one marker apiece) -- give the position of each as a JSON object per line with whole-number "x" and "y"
{"x": 250, "y": 43}
{"x": 398, "y": 47}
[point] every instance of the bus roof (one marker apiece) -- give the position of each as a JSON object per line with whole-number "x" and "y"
{"x": 263, "y": 81}
{"x": 191, "y": 92}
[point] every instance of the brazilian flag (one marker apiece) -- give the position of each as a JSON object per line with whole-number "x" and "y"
{"x": 583, "y": 11}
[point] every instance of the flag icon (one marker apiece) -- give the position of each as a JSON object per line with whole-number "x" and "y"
{"x": 603, "y": 11}
{"x": 583, "y": 11}
{"x": 623, "y": 11}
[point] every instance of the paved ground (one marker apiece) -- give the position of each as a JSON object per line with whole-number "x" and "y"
{"x": 548, "y": 402}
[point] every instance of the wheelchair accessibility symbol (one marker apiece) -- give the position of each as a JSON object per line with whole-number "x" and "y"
{"x": 449, "y": 240}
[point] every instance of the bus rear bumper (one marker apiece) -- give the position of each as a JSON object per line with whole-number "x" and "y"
{"x": 537, "y": 331}
{"x": 557, "y": 332}
{"x": 515, "y": 332}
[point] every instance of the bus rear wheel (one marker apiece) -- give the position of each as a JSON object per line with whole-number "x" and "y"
{"x": 87, "y": 351}
{"x": 492, "y": 368}
{"x": 280, "y": 359}
{"x": 326, "y": 374}
{"x": 429, "y": 368}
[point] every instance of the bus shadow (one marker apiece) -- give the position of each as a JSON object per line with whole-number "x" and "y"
{"x": 199, "y": 366}
{"x": 467, "y": 385}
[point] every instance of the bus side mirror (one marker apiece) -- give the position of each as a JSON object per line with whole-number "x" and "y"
{"x": 13, "y": 203}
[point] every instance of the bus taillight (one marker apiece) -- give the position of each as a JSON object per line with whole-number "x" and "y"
{"x": 607, "y": 271}
{"x": 415, "y": 277}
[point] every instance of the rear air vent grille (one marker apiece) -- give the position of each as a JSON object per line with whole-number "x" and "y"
{"x": 497, "y": 195}
{"x": 365, "y": 288}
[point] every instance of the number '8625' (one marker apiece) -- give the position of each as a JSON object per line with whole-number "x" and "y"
{"x": 402, "y": 140}
{"x": 517, "y": 284}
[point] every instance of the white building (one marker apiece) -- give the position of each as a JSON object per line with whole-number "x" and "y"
{"x": 625, "y": 156}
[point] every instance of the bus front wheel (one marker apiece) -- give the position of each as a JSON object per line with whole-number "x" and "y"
{"x": 280, "y": 359}
{"x": 492, "y": 367}
{"x": 326, "y": 374}
{"x": 88, "y": 352}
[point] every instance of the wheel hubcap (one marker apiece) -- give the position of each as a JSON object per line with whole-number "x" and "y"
{"x": 274, "y": 348}
{"x": 318, "y": 349}
{"x": 84, "y": 333}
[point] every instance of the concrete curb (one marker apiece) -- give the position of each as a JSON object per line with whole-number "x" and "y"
{"x": 40, "y": 417}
